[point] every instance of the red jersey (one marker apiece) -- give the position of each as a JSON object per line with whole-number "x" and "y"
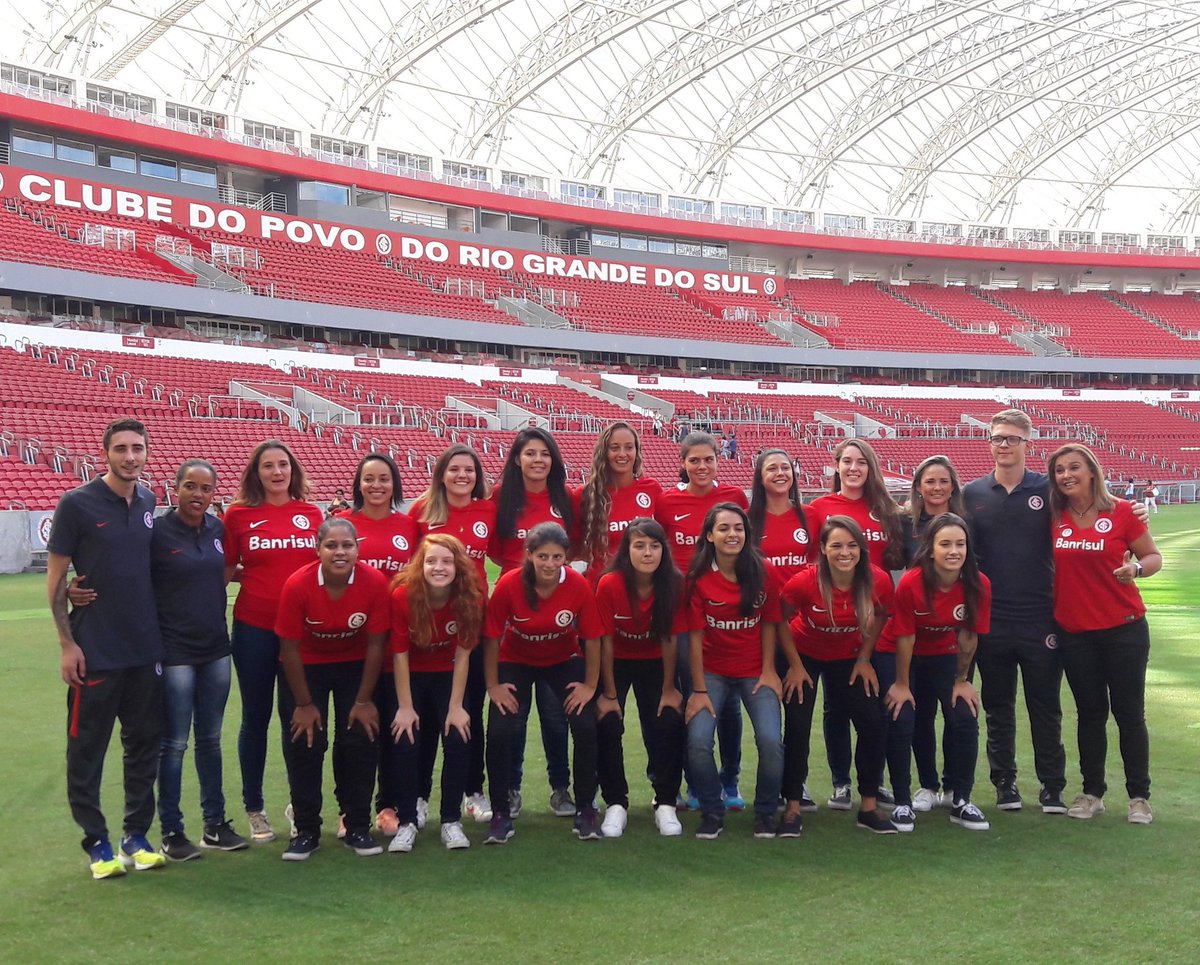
{"x": 1086, "y": 594}
{"x": 835, "y": 504}
{"x": 550, "y": 634}
{"x": 935, "y": 622}
{"x": 509, "y": 552}
{"x": 639, "y": 498}
{"x": 630, "y": 626}
{"x": 732, "y": 642}
{"x": 472, "y": 524}
{"x": 787, "y": 544}
{"x": 385, "y": 544}
{"x": 435, "y": 656}
{"x": 331, "y": 631}
{"x": 271, "y": 543}
{"x": 829, "y": 632}
{"x": 682, "y": 516}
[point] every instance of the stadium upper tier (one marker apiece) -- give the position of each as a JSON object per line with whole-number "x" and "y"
{"x": 59, "y": 398}
{"x": 811, "y": 312}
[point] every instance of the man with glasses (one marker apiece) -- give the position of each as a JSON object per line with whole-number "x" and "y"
{"x": 1009, "y": 514}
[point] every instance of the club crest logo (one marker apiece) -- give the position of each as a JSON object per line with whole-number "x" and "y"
{"x": 1103, "y": 525}
{"x": 643, "y": 500}
{"x": 218, "y": 547}
{"x": 356, "y": 620}
{"x": 1067, "y": 531}
{"x": 960, "y": 612}
{"x": 1036, "y": 502}
{"x": 1051, "y": 641}
{"x": 400, "y": 543}
{"x": 800, "y": 535}
{"x": 148, "y": 519}
{"x": 301, "y": 521}
{"x": 452, "y": 628}
{"x": 564, "y": 617}
{"x": 480, "y": 529}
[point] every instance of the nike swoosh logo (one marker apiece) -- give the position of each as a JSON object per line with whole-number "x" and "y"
{"x": 258, "y": 524}
{"x": 818, "y": 609}
{"x": 312, "y": 623}
{"x": 176, "y": 552}
{"x": 93, "y": 683}
{"x": 361, "y": 538}
{"x": 923, "y": 613}
{"x": 716, "y": 602}
{"x": 101, "y": 525}
{"x": 684, "y": 516}
{"x": 522, "y": 619}
{"x": 617, "y": 616}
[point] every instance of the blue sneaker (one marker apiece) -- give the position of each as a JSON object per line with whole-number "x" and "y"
{"x": 104, "y": 863}
{"x": 687, "y": 803}
{"x": 137, "y": 854}
{"x": 734, "y": 800}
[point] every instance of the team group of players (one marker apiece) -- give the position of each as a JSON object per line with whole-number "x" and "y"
{"x": 698, "y": 600}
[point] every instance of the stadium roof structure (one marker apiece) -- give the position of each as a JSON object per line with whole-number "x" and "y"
{"x": 1056, "y": 112}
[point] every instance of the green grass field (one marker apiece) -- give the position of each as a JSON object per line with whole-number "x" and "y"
{"x": 1034, "y": 888}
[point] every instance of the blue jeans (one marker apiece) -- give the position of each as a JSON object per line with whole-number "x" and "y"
{"x": 729, "y": 729}
{"x": 766, "y": 721}
{"x": 199, "y": 692}
{"x": 256, "y": 657}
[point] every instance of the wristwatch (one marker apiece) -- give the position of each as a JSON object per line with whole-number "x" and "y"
{"x": 1138, "y": 574}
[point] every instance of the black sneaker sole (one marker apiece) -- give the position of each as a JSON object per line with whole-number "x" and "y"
{"x": 192, "y": 856}
{"x": 224, "y": 847}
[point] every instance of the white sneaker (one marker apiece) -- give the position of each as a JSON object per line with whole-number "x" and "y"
{"x": 926, "y": 800}
{"x": 1085, "y": 807}
{"x": 422, "y": 813}
{"x": 615, "y": 819}
{"x": 477, "y": 807}
{"x": 404, "y": 839}
{"x": 453, "y": 836}
{"x": 290, "y": 814}
{"x": 261, "y": 831}
{"x": 667, "y": 821}
{"x": 1139, "y": 811}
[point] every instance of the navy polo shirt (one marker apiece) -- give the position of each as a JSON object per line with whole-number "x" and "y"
{"x": 108, "y": 541}
{"x": 187, "y": 565}
{"x": 1011, "y": 537}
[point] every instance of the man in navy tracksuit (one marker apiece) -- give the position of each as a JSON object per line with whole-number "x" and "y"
{"x": 111, "y": 649}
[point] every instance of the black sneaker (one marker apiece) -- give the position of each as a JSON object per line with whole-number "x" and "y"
{"x": 499, "y": 830}
{"x": 791, "y": 827}
{"x": 876, "y": 822}
{"x": 359, "y": 841}
{"x": 1008, "y": 798}
{"x": 222, "y": 837}
{"x": 587, "y": 828}
{"x": 807, "y": 804}
{"x": 1052, "y": 802}
{"x": 884, "y": 798}
{"x": 904, "y": 818}
{"x": 177, "y": 847}
{"x": 301, "y": 846}
{"x": 710, "y": 827}
{"x": 764, "y": 826}
{"x": 967, "y": 815}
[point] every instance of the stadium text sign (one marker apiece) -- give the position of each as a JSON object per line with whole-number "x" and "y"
{"x": 250, "y": 223}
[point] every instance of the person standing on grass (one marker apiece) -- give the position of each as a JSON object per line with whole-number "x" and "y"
{"x": 533, "y": 490}
{"x": 1009, "y": 515}
{"x": 111, "y": 651}
{"x": 387, "y": 539}
{"x": 437, "y": 616}
{"x": 535, "y": 620}
{"x": 859, "y": 492}
{"x": 1150, "y": 497}
{"x": 640, "y": 601}
{"x": 1100, "y": 549}
{"x": 935, "y": 490}
{"x": 681, "y": 511}
{"x": 733, "y": 609}
{"x": 188, "y": 570}
{"x": 456, "y": 504}
{"x": 333, "y": 620}
{"x": 270, "y": 532}
{"x": 837, "y": 609}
